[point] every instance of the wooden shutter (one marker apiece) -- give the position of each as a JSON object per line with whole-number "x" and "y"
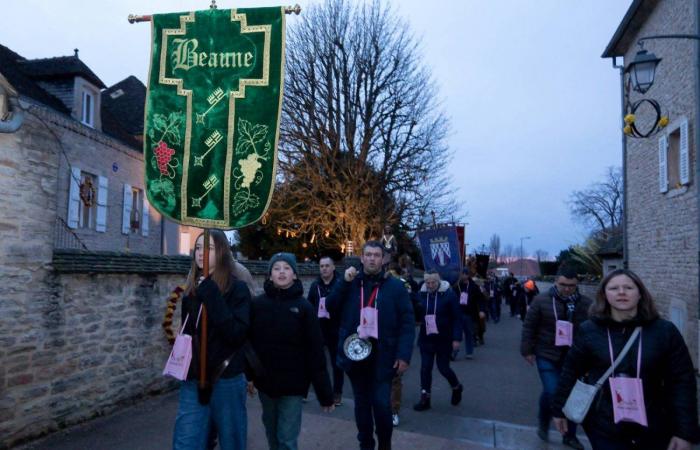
{"x": 144, "y": 214}
{"x": 126, "y": 210}
{"x": 663, "y": 169}
{"x": 684, "y": 154}
{"x": 102, "y": 183}
{"x": 74, "y": 198}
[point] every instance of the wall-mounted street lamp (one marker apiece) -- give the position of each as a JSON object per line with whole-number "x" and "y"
{"x": 642, "y": 70}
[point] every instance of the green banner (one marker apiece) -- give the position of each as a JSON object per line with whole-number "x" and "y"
{"x": 212, "y": 115}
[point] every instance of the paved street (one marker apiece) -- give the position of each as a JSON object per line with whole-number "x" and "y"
{"x": 498, "y": 410}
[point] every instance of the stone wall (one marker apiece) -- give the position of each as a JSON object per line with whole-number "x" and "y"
{"x": 78, "y": 345}
{"x": 86, "y": 345}
{"x": 663, "y": 227}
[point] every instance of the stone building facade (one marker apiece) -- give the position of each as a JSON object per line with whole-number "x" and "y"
{"x": 661, "y": 185}
{"x": 83, "y": 291}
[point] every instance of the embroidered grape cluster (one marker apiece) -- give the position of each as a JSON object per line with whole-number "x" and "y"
{"x": 163, "y": 156}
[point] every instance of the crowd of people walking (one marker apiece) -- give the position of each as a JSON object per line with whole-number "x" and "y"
{"x": 368, "y": 319}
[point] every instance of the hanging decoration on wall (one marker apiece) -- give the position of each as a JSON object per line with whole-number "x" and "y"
{"x": 87, "y": 193}
{"x": 632, "y": 127}
{"x": 658, "y": 123}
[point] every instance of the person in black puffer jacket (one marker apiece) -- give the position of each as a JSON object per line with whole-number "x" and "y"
{"x": 470, "y": 301}
{"x": 221, "y": 402}
{"x": 667, "y": 373}
{"x": 285, "y": 334}
{"x": 320, "y": 289}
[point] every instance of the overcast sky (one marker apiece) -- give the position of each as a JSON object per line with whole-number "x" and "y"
{"x": 534, "y": 109}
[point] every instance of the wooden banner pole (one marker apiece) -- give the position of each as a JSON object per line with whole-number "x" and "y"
{"x": 134, "y": 18}
{"x": 203, "y": 336}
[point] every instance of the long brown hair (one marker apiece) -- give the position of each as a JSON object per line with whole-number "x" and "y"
{"x": 646, "y": 310}
{"x": 223, "y": 268}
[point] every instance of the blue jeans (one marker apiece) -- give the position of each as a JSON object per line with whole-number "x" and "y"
{"x": 226, "y": 409}
{"x": 372, "y": 409}
{"x": 282, "y": 419}
{"x": 549, "y": 374}
{"x": 468, "y": 328}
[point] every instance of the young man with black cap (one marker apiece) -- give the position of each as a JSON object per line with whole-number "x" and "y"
{"x": 286, "y": 336}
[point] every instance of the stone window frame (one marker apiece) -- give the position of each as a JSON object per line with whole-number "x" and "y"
{"x": 87, "y": 117}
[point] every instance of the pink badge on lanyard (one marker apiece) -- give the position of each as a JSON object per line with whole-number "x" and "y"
{"x": 369, "y": 316}
{"x": 464, "y": 296}
{"x": 628, "y": 393}
{"x": 430, "y": 323}
{"x": 181, "y": 355}
{"x": 564, "y": 336}
{"x": 322, "y": 311}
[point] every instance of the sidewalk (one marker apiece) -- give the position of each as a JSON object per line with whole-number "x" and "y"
{"x": 149, "y": 425}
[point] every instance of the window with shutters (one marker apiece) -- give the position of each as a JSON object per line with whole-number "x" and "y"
{"x": 88, "y": 198}
{"x": 674, "y": 157}
{"x": 136, "y": 202}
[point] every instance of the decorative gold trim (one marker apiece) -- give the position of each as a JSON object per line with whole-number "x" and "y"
{"x": 133, "y": 18}
{"x": 283, "y": 49}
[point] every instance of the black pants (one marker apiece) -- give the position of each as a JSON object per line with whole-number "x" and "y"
{"x": 513, "y": 303}
{"x": 522, "y": 306}
{"x": 338, "y": 374}
{"x": 330, "y": 339}
{"x": 647, "y": 442}
{"x": 438, "y": 352}
{"x": 372, "y": 408}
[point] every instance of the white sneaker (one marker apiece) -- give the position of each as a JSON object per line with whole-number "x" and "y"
{"x": 395, "y": 419}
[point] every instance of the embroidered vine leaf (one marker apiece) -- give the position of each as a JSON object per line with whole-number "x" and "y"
{"x": 243, "y": 201}
{"x": 168, "y": 127}
{"x": 164, "y": 190}
{"x": 248, "y": 136}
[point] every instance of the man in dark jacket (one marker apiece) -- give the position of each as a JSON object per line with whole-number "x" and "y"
{"x": 493, "y": 290}
{"x": 507, "y": 287}
{"x": 391, "y": 349}
{"x": 318, "y": 292}
{"x": 440, "y": 333}
{"x": 470, "y": 301}
{"x": 548, "y": 331}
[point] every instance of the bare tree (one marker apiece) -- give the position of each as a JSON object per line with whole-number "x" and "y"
{"x": 600, "y": 205}
{"x": 363, "y": 139}
{"x": 495, "y": 246}
{"x": 541, "y": 255}
{"x": 509, "y": 253}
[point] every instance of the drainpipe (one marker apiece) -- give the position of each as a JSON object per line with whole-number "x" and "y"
{"x": 16, "y": 114}
{"x": 697, "y": 143}
{"x": 625, "y": 246}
